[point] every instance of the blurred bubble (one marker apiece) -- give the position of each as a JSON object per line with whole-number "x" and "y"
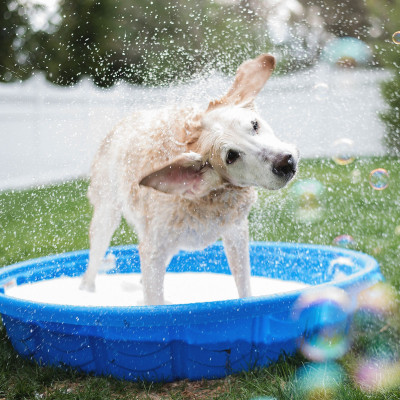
{"x": 396, "y": 37}
{"x": 321, "y": 91}
{"x": 379, "y": 299}
{"x": 318, "y": 381}
{"x": 377, "y": 375}
{"x": 397, "y": 230}
{"x": 327, "y": 316}
{"x": 345, "y": 241}
{"x": 307, "y": 200}
{"x": 346, "y": 52}
{"x": 356, "y": 176}
{"x": 379, "y": 179}
{"x": 344, "y": 151}
{"x": 263, "y": 398}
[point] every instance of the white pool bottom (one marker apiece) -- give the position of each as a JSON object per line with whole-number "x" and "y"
{"x": 126, "y": 289}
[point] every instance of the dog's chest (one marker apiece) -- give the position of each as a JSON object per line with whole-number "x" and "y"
{"x": 198, "y": 224}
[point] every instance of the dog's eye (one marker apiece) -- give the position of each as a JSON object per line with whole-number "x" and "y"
{"x": 232, "y": 156}
{"x": 254, "y": 123}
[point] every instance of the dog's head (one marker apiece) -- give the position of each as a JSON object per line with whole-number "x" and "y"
{"x": 230, "y": 143}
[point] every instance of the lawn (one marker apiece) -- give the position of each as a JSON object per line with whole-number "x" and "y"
{"x": 55, "y": 219}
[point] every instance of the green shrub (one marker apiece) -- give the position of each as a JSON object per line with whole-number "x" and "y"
{"x": 391, "y": 116}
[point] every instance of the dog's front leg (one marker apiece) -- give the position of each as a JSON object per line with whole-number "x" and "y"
{"x": 236, "y": 244}
{"x": 153, "y": 263}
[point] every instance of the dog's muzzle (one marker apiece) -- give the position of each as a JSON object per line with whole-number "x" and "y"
{"x": 284, "y": 166}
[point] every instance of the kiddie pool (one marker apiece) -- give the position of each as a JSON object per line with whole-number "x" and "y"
{"x": 170, "y": 342}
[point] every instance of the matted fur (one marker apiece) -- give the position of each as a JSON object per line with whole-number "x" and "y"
{"x": 166, "y": 172}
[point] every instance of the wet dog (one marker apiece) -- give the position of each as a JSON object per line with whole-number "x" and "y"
{"x": 185, "y": 177}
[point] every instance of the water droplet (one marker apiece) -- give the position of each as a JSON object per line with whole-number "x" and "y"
{"x": 379, "y": 179}
{"x": 344, "y": 151}
{"x": 396, "y": 37}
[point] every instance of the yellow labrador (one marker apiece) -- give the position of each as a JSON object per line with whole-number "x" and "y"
{"x": 184, "y": 177}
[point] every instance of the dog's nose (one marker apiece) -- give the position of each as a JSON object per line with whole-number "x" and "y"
{"x": 284, "y": 165}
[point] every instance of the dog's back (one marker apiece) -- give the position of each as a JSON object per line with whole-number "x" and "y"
{"x": 146, "y": 141}
{"x": 184, "y": 178}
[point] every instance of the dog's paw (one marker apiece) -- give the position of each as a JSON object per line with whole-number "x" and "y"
{"x": 87, "y": 286}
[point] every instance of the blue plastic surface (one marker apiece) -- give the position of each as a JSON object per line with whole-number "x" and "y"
{"x": 165, "y": 343}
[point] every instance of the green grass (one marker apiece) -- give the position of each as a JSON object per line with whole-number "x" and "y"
{"x": 55, "y": 219}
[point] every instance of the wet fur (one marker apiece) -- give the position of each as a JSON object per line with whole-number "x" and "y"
{"x": 195, "y": 205}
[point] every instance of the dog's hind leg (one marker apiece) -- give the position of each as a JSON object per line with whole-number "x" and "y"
{"x": 104, "y": 222}
{"x": 236, "y": 245}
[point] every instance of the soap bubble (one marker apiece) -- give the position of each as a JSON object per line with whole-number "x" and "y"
{"x": 396, "y": 37}
{"x": 345, "y": 241}
{"x": 326, "y": 314}
{"x": 321, "y": 91}
{"x": 356, "y": 176}
{"x": 377, "y": 374}
{"x": 379, "y": 299}
{"x": 397, "y": 230}
{"x": 346, "y": 52}
{"x": 344, "y": 151}
{"x": 379, "y": 179}
{"x": 307, "y": 200}
{"x": 318, "y": 381}
{"x": 379, "y": 367}
{"x": 263, "y": 398}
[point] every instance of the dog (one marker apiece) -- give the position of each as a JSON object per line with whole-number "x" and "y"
{"x": 185, "y": 177}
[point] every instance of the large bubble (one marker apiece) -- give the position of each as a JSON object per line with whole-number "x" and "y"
{"x": 378, "y": 367}
{"x": 346, "y": 241}
{"x": 347, "y": 52}
{"x": 328, "y": 311}
{"x": 379, "y": 179}
{"x": 377, "y": 375}
{"x": 343, "y": 151}
{"x": 306, "y": 198}
{"x": 396, "y": 37}
{"x": 379, "y": 299}
{"x": 321, "y": 91}
{"x": 318, "y": 381}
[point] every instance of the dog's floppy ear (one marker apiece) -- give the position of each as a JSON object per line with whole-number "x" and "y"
{"x": 249, "y": 80}
{"x": 184, "y": 175}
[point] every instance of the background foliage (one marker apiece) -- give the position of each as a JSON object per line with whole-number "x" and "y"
{"x": 161, "y": 41}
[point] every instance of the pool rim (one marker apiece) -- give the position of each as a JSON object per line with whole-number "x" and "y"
{"x": 174, "y": 314}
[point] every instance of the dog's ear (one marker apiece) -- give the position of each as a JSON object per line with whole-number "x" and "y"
{"x": 250, "y": 78}
{"x": 184, "y": 175}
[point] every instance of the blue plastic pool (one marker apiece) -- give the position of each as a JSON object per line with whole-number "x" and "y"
{"x": 165, "y": 343}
